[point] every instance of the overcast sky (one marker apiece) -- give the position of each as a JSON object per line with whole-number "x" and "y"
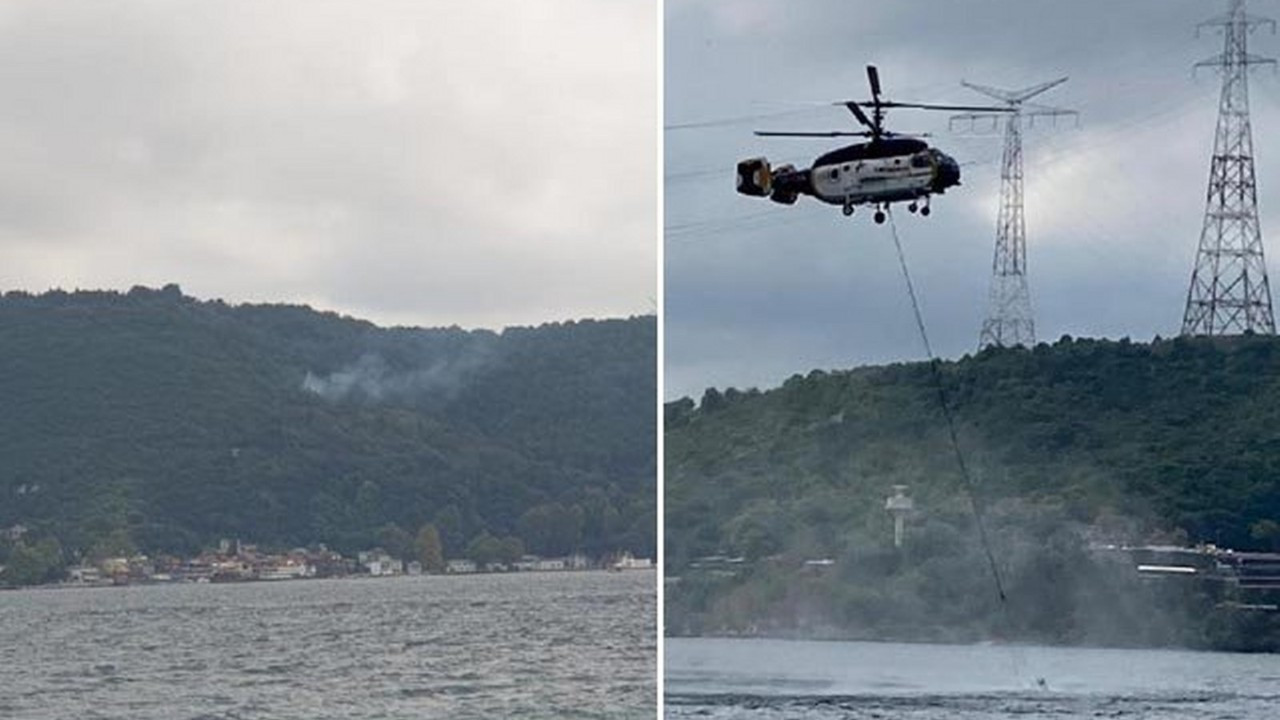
{"x": 755, "y": 292}
{"x": 481, "y": 163}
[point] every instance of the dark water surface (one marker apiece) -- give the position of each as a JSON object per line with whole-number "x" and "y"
{"x": 779, "y": 679}
{"x": 542, "y": 645}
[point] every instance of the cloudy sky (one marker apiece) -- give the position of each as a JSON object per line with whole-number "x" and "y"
{"x": 755, "y": 292}
{"x": 480, "y": 163}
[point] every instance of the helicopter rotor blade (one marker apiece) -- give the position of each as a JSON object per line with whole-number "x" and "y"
{"x": 931, "y": 106}
{"x": 873, "y": 75}
{"x": 857, "y": 112}
{"x": 830, "y": 133}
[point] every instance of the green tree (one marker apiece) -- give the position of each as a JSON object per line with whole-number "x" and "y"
{"x": 117, "y": 543}
{"x": 430, "y": 552}
{"x": 452, "y": 535}
{"x": 1267, "y": 532}
{"x": 34, "y": 564}
{"x": 396, "y": 541}
{"x": 368, "y": 503}
{"x": 551, "y": 528}
{"x": 484, "y": 549}
{"x": 511, "y": 550}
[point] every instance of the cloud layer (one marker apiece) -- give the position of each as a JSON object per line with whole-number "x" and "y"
{"x": 756, "y": 292}
{"x": 482, "y": 163}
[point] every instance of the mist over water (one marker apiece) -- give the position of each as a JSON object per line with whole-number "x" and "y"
{"x": 777, "y": 679}
{"x": 538, "y": 645}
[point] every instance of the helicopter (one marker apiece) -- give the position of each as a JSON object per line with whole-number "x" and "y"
{"x": 888, "y": 168}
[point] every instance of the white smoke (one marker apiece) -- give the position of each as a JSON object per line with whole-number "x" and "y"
{"x": 373, "y": 378}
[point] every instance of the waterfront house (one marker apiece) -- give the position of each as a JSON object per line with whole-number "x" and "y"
{"x": 378, "y": 563}
{"x": 461, "y": 565}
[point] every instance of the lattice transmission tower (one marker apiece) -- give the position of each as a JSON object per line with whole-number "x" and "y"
{"x": 1229, "y": 292}
{"x": 1009, "y": 320}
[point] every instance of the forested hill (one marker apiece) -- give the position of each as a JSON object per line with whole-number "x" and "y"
{"x": 1076, "y": 443}
{"x": 156, "y": 420}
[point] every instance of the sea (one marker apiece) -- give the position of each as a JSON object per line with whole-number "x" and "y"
{"x": 781, "y": 679}
{"x": 526, "y": 645}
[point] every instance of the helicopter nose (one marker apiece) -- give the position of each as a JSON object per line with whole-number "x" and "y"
{"x": 948, "y": 172}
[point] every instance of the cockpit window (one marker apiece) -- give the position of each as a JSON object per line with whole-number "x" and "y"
{"x": 920, "y": 161}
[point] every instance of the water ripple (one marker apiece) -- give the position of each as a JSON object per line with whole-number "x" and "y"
{"x": 532, "y": 645}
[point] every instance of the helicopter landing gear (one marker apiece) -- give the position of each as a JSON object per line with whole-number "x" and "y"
{"x": 879, "y": 216}
{"x": 912, "y": 207}
{"x": 925, "y": 211}
{"x": 848, "y": 208}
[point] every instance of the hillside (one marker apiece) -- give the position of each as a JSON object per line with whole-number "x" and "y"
{"x": 1081, "y": 443}
{"x": 153, "y": 420}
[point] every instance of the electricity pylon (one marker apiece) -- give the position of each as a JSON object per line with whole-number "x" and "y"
{"x": 1009, "y": 319}
{"x": 1229, "y": 293}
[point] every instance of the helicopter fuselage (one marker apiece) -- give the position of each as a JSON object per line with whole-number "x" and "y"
{"x": 889, "y": 168}
{"x": 878, "y": 173}
{"x": 863, "y": 173}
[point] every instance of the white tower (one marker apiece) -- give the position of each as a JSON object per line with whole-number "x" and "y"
{"x": 900, "y": 506}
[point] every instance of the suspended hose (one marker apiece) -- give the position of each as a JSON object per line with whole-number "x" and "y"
{"x": 971, "y": 488}
{"x": 935, "y": 371}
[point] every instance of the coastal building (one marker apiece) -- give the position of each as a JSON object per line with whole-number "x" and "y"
{"x": 84, "y": 575}
{"x": 284, "y": 569}
{"x": 379, "y": 564}
{"x": 626, "y": 561}
{"x": 533, "y": 563}
{"x": 328, "y": 563}
{"x": 460, "y": 566}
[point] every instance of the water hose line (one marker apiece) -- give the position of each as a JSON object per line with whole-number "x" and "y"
{"x": 935, "y": 365}
{"x": 971, "y": 488}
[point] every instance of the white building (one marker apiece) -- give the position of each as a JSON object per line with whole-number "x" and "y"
{"x": 84, "y": 575}
{"x": 626, "y": 561}
{"x": 460, "y": 566}
{"x": 378, "y": 563}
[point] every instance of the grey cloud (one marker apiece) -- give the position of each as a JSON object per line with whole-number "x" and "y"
{"x": 326, "y": 151}
{"x": 756, "y": 292}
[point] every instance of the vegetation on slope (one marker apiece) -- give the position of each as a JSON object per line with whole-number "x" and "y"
{"x": 1081, "y": 443}
{"x": 154, "y": 421}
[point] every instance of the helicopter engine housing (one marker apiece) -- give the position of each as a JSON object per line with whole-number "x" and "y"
{"x": 755, "y": 177}
{"x": 784, "y": 191}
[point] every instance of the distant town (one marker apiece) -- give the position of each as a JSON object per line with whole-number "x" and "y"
{"x": 233, "y": 561}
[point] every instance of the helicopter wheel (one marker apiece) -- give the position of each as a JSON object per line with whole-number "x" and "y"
{"x": 925, "y": 211}
{"x": 879, "y": 217}
{"x": 912, "y": 207}
{"x": 848, "y": 209}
